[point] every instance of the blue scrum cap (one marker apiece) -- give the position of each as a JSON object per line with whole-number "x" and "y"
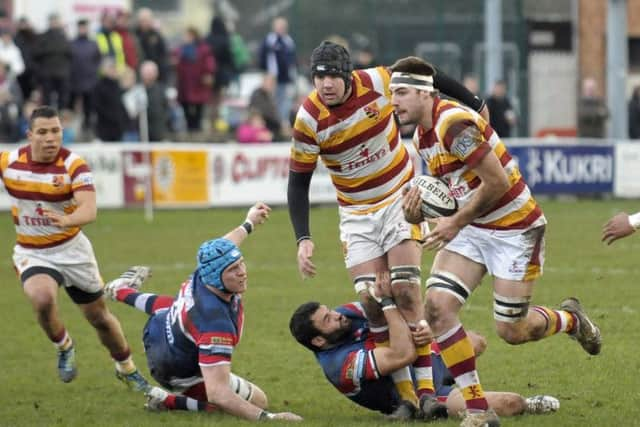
{"x": 214, "y": 256}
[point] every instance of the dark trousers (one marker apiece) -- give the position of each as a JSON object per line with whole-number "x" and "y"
{"x": 55, "y": 91}
{"x": 193, "y": 115}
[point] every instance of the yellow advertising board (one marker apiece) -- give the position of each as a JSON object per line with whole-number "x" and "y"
{"x": 180, "y": 177}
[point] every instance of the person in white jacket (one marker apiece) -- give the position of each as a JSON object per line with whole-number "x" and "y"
{"x": 10, "y": 54}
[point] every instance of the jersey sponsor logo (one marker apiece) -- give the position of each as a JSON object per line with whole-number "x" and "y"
{"x": 222, "y": 340}
{"x": 365, "y": 159}
{"x": 35, "y": 221}
{"x": 372, "y": 110}
{"x": 464, "y": 144}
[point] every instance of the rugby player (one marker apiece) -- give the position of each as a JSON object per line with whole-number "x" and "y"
{"x": 189, "y": 340}
{"x": 498, "y": 229}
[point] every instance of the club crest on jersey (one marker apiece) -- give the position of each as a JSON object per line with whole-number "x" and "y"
{"x": 57, "y": 180}
{"x": 372, "y": 111}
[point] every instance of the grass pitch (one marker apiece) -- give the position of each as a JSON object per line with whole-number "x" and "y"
{"x": 594, "y": 391}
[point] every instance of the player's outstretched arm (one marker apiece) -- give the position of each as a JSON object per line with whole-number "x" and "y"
{"x": 257, "y": 215}
{"x": 85, "y": 213}
{"x": 216, "y": 379}
{"x": 619, "y": 226}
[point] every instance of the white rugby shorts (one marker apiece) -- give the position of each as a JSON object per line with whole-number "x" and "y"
{"x": 507, "y": 254}
{"x": 74, "y": 259}
{"x": 368, "y": 234}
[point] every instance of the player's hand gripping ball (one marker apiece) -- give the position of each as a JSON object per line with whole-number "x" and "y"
{"x": 437, "y": 199}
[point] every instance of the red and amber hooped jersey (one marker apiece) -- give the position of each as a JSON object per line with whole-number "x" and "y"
{"x": 358, "y": 141}
{"x": 455, "y": 144}
{"x": 34, "y": 187}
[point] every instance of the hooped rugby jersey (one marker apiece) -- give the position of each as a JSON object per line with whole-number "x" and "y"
{"x": 351, "y": 367}
{"x": 459, "y": 139}
{"x": 34, "y": 186}
{"x": 358, "y": 141}
{"x": 199, "y": 329}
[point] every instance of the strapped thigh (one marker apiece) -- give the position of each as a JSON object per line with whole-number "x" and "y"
{"x": 241, "y": 387}
{"x": 405, "y": 273}
{"x": 362, "y": 283}
{"x": 510, "y": 309}
{"x": 450, "y": 283}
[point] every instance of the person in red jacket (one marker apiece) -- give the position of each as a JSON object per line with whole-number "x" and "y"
{"x": 195, "y": 68}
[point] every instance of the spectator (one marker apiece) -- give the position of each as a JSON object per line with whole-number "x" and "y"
{"x": 239, "y": 50}
{"x": 109, "y": 41}
{"x": 152, "y": 43}
{"x": 503, "y": 117}
{"x": 26, "y": 39}
{"x": 130, "y": 45}
{"x": 9, "y": 83}
{"x": 67, "y": 120}
{"x": 157, "y": 105}
{"x": 634, "y": 114}
{"x": 53, "y": 57}
{"x": 111, "y": 116}
{"x": 363, "y": 55}
{"x": 10, "y": 53}
{"x": 219, "y": 43}
{"x": 85, "y": 63}
{"x": 262, "y": 100}
{"x": 134, "y": 98}
{"x": 177, "y": 120}
{"x": 253, "y": 130}
{"x": 592, "y": 111}
{"x": 194, "y": 77}
{"x": 277, "y": 56}
{"x": 9, "y": 116}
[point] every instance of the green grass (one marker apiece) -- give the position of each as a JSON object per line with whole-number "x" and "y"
{"x": 594, "y": 391}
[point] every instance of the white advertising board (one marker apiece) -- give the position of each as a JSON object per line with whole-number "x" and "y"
{"x": 105, "y": 162}
{"x": 626, "y": 182}
{"x": 242, "y": 174}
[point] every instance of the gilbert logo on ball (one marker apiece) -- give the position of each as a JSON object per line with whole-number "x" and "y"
{"x": 436, "y": 197}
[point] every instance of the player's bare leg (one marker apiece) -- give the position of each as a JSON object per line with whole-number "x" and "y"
{"x": 518, "y": 323}
{"x": 42, "y": 292}
{"x": 453, "y": 278}
{"x": 363, "y": 276}
{"x": 112, "y": 337}
{"x": 404, "y": 261}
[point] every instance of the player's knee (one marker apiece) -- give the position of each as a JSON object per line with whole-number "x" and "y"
{"x": 406, "y": 296}
{"x": 510, "y": 314}
{"x": 512, "y": 333}
{"x": 42, "y": 304}
{"x": 445, "y": 294}
{"x": 259, "y": 399}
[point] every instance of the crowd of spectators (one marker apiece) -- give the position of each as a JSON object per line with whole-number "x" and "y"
{"x": 107, "y": 82}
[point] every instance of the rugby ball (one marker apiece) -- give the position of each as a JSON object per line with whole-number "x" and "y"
{"x": 437, "y": 199}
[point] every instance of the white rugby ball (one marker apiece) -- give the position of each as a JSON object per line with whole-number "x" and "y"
{"x": 437, "y": 199}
